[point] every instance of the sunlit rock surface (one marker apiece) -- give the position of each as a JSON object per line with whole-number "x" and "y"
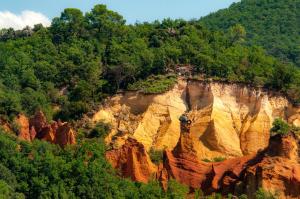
{"x": 228, "y": 120}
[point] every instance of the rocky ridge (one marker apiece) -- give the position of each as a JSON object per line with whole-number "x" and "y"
{"x": 275, "y": 169}
{"x": 228, "y": 120}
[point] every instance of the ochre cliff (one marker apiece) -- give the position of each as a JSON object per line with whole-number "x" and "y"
{"x": 229, "y": 120}
{"x": 38, "y": 128}
{"x": 276, "y": 169}
{"x": 132, "y": 161}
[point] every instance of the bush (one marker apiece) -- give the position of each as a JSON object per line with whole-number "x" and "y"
{"x": 262, "y": 194}
{"x": 80, "y": 171}
{"x": 216, "y": 159}
{"x": 73, "y": 110}
{"x": 296, "y": 130}
{"x": 198, "y": 194}
{"x": 7, "y": 191}
{"x": 154, "y": 84}
{"x": 243, "y": 196}
{"x": 100, "y": 130}
{"x": 177, "y": 190}
{"x": 156, "y": 156}
{"x": 219, "y": 159}
{"x": 280, "y": 127}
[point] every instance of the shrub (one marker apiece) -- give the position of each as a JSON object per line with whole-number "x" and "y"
{"x": 216, "y": 159}
{"x": 262, "y": 194}
{"x": 219, "y": 159}
{"x": 73, "y": 110}
{"x": 156, "y": 156}
{"x": 198, "y": 194}
{"x": 243, "y": 196}
{"x": 16, "y": 127}
{"x": 296, "y": 130}
{"x": 7, "y": 191}
{"x": 177, "y": 190}
{"x": 154, "y": 84}
{"x": 280, "y": 127}
{"x": 100, "y": 130}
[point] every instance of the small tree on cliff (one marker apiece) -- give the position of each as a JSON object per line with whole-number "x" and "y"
{"x": 280, "y": 127}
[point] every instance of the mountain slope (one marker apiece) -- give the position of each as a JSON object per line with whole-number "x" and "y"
{"x": 274, "y": 24}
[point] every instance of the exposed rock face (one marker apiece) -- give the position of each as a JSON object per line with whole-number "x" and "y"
{"x": 64, "y": 135}
{"x": 38, "y": 128}
{"x": 22, "y": 123}
{"x": 229, "y": 120}
{"x": 132, "y": 161}
{"x": 39, "y": 121}
{"x": 183, "y": 165}
{"x": 277, "y": 169}
{"x": 151, "y": 119}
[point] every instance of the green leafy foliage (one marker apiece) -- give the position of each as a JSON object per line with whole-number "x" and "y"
{"x": 156, "y": 156}
{"x": 280, "y": 127}
{"x": 154, "y": 84}
{"x": 7, "y": 191}
{"x": 176, "y": 190}
{"x": 43, "y": 170}
{"x": 84, "y": 57}
{"x": 274, "y": 24}
{"x": 262, "y": 194}
{"x": 216, "y": 159}
{"x": 100, "y": 130}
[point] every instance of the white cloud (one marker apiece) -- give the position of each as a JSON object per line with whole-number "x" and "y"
{"x": 26, "y": 18}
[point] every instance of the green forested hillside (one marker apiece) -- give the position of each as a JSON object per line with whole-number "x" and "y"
{"x": 67, "y": 69}
{"x": 43, "y": 170}
{"x": 274, "y": 24}
{"x": 83, "y": 58}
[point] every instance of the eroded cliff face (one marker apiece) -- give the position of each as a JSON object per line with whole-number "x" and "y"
{"x": 228, "y": 120}
{"x": 37, "y": 127}
{"x": 133, "y": 161}
{"x": 276, "y": 168}
{"x": 151, "y": 119}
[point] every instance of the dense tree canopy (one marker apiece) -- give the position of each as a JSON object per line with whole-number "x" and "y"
{"x": 68, "y": 68}
{"x": 274, "y": 24}
{"x": 42, "y": 170}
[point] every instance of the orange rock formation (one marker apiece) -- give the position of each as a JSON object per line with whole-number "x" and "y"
{"x": 37, "y": 127}
{"x": 276, "y": 168}
{"x": 132, "y": 161}
{"x": 22, "y": 123}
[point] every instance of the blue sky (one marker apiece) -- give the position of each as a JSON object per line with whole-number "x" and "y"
{"x": 132, "y": 10}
